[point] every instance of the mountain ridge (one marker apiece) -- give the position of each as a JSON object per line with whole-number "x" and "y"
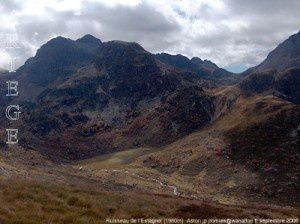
{"x": 115, "y": 89}
{"x": 285, "y": 55}
{"x": 278, "y": 73}
{"x": 157, "y": 125}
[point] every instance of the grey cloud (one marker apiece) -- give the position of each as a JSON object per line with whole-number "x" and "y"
{"x": 266, "y": 23}
{"x": 7, "y": 6}
{"x": 143, "y": 24}
{"x": 265, "y": 7}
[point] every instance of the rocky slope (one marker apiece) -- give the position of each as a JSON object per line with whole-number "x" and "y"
{"x": 203, "y": 68}
{"x": 286, "y": 55}
{"x": 279, "y": 73}
{"x": 233, "y": 144}
{"x": 85, "y": 97}
{"x": 285, "y": 85}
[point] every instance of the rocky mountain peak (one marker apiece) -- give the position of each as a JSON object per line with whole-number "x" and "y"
{"x": 196, "y": 60}
{"x": 178, "y": 60}
{"x": 90, "y": 40}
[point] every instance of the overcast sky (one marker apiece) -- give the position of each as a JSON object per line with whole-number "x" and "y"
{"x": 234, "y": 34}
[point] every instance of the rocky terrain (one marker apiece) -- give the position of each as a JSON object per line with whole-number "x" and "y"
{"x": 104, "y": 95}
{"x": 110, "y": 118}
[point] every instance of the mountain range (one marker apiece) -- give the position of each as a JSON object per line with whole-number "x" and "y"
{"x": 96, "y": 91}
{"x": 217, "y": 135}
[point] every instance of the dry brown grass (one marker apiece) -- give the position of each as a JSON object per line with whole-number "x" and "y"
{"x": 28, "y": 202}
{"x": 248, "y": 111}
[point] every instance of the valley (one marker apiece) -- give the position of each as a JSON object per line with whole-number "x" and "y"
{"x": 126, "y": 184}
{"x": 112, "y": 130}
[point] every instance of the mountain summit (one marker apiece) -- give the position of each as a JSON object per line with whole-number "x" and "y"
{"x": 100, "y": 92}
{"x": 106, "y": 96}
{"x": 90, "y": 41}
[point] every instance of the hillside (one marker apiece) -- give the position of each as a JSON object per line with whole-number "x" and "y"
{"x": 103, "y": 95}
{"x": 109, "y": 128}
{"x": 286, "y": 55}
{"x": 239, "y": 157}
{"x": 46, "y": 192}
{"x": 278, "y": 74}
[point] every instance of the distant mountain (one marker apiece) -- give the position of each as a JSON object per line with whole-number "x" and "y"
{"x": 61, "y": 58}
{"x": 89, "y": 97}
{"x": 279, "y": 73}
{"x": 203, "y": 68}
{"x": 90, "y": 42}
